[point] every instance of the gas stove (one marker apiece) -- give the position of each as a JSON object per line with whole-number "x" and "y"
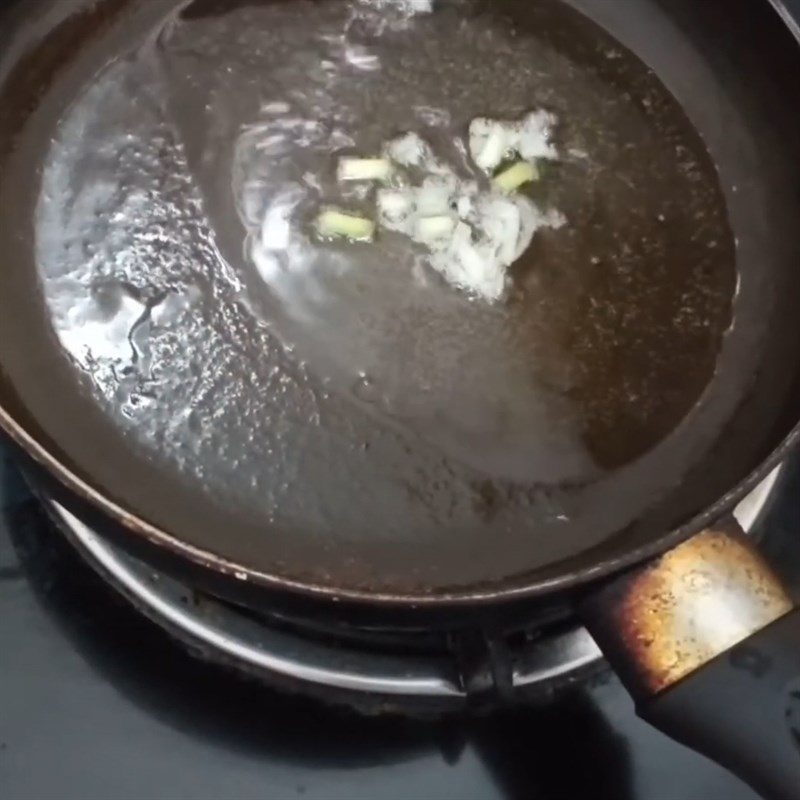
{"x": 118, "y": 682}
{"x": 419, "y": 672}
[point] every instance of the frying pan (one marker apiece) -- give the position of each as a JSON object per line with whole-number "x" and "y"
{"x": 359, "y": 437}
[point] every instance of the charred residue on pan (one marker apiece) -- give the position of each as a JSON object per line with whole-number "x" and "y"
{"x": 660, "y": 622}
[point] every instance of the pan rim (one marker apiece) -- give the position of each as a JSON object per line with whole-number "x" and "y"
{"x": 508, "y": 589}
{"x": 480, "y": 594}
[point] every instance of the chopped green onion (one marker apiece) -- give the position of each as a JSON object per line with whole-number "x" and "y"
{"x": 364, "y": 169}
{"x": 332, "y": 223}
{"x": 430, "y": 230}
{"x": 515, "y": 176}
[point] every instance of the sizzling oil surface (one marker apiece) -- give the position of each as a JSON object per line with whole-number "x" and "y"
{"x": 614, "y": 329}
{"x": 355, "y": 396}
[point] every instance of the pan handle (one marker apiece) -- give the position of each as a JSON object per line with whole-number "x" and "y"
{"x": 706, "y": 640}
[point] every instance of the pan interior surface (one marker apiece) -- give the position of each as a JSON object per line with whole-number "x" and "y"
{"x": 359, "y": 424}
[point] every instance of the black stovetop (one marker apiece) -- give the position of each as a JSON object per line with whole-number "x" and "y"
{"x": 96, "y": 702}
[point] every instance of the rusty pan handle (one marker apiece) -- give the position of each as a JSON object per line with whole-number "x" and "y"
{"x": 707, "y": 641}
